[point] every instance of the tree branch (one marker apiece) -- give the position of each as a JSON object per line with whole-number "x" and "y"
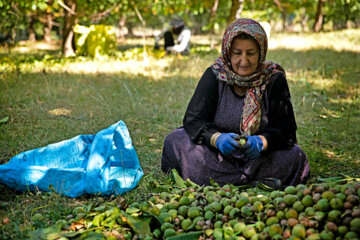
{"x": 16, "y": 9}
{"x": 99, "y": 16}
{"x": 278, "y": 4}
{"x": 42, "y": 20}
{"x": 138, "y": 14}
{"x": 66, "y": 7}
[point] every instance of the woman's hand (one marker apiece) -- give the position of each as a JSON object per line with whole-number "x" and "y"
{"x": 253, "y": 146}
{"x": 227, "y": 144}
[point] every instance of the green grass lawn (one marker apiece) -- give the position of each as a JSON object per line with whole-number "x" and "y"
{"x": 48, "y": 99}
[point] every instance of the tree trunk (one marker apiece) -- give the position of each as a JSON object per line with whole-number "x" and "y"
{"x": 130, "y": 27}
{"x": 347, "y": 15}
{"x": 31, "y": 30}
{"x": 122, "y": 27}
{"x": 304, "y": 19}
{"x": 68, "y": 32}
{"x": 49, "y": 22}
{"x": 319, "y": 17}
{"x": 357, "y": 23}
{"x": 282, "y": 12}
{"x": 235, "y": 11}
{"x": 48, "y": 28}
{"x": 212, "y": 23}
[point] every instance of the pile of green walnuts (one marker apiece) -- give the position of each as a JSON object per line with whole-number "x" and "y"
{"x": 321, "y": 211}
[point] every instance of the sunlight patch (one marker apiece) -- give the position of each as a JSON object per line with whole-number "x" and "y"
{"x": 60, "y": 112}
{"x": 330, "y": 154}
{"x": 304, "y": 41}
{"x": 132, "y": 67}
{"x": 325, "y": 83}
{"x": 330, "y": 113}
{"x": 346, "y": 100}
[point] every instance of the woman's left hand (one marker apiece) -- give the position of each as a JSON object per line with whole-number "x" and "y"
{"x": 252, "y": 147}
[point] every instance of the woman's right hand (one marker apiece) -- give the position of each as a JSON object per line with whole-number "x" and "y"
{"x": 227, "y": 144}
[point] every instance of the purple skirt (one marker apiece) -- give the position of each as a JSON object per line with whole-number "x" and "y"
{"x": 199, "y": 163}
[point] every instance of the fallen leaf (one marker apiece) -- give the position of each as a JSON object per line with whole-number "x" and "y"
{"x": 140, "y": 225}
{"x": 77, "y": 225}
{"x": 60, "y": 112}
{"x": 4, "y": 120}
{"x": 6, "y": 220}
{"x": 114, "y": 234}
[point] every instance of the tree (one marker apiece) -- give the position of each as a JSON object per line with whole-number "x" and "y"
{"x": 48, "y": 21}
{"x": 212, "y": 22}
{"x": 342, "y": 13}
{"x": 69, "y": 23}
{"x": 235, "y": 11}
{"x": 11, "y": 18}
{"x": 319, "y": 16}
{"x": 282, "y": 11}
{"x": 38, "y": 17}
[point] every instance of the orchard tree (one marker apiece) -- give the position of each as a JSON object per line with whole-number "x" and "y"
{"x": 342, "y": 13}
{"x": 21, "y": 15}
{"x": 68, "y": 27}
{"x": 212, "y": 22}
{"x": 319, "y": 16}
{"x": 289, "y": 12}
{"x": 12, "y": 18}
{"x": 235, "y": 11}
{"x": 51, "y": 14}
{"x": 39, "y": 12}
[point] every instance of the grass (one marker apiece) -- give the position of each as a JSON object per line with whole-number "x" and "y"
{"x": 49, "y": 99}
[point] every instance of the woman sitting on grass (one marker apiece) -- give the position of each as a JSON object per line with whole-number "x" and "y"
{"x": 240, "y": 96}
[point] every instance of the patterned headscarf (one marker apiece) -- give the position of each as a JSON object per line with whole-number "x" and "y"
{"x": 255, "y": 84}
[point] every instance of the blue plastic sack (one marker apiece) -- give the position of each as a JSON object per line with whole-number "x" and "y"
{"x": 105, "y": 163}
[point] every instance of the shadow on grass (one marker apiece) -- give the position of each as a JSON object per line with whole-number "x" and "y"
{"x": 125, "y": 47}
{"x": 39, "y": 55}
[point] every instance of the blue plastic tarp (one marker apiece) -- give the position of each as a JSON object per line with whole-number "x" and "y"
{"x": 105, "y": 163}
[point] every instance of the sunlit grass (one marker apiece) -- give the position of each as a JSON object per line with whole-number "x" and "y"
{"x": 344, "y": 40}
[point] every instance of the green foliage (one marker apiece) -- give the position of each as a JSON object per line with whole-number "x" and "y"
{"x": 91, "y": 11}
{"x": 95, "y": 41}
{"x": 15, "y": 13}
{"x": 259, "y": 15}
{"x": 342, "y": 12}
{"x": 19, "y": 15}
{"x": 81, "y": 34}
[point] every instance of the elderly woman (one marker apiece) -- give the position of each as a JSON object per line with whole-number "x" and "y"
{"x": 240, "y": 96}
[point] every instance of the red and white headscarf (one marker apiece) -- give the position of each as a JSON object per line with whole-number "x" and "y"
{"x": 255, "y": 83}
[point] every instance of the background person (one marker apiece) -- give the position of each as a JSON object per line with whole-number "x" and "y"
{"x": 241, "y": 94}
{"x": 182, "y": 44}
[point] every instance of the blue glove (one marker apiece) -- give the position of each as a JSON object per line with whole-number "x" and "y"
{"x": 227, "y": 144}
{"x": 252, "y": 147}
